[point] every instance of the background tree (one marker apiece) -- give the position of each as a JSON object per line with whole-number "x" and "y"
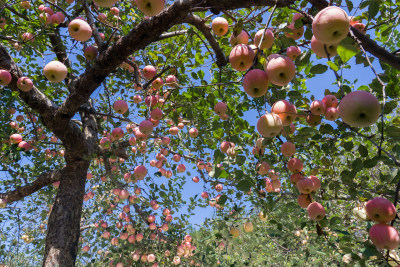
{"x": 66, "y": 66}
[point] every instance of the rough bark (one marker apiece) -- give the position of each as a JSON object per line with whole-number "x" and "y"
{"x": 64, "y": 223}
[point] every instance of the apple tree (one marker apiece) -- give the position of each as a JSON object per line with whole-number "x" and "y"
{"x": 112, "y": 110}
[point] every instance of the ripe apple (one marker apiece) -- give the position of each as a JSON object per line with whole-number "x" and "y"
{"x": 146, "y": 127}
{"x": 221, "y": 108}
{"x": 360, "y": 27}
{"x": 280, "y": 69}
{"x": 157, "y": 83}
{"x": 241, "y": 57}
{"x": 117, "y": 133}
{"x": 149, "y": 72}
{"x": 120, "y": 106}
{"x": 150, "y": 7}
{"x": 304, "y": 200}
{"x": 295, "y": 33}
{"x": 286, "y": 111}
{"x": 196, "y": 179}
{"x": 319, "y": 48}
{"x": 295, "y": 165}
{"x": 137, "y": 99}
{"x": 330, "y": 101}
{"x": 219, "y": 26}
{"x": 5, "y": 77}
{"x": 296, "y": 177}
{"x": 55, "y": 71}
{"x": 288, "y": 149}
{"x": 193, "y": 132}
{"x": 316, "y": 182}
{"x": 268, "y": 39}
{"x": 313, "y": 120}
{"x": 140, "y": 172}
{"x": 384, "y": 236}
{"x": 331, "y": 25}
{"x": 15, "y": 138}
{"x": 269, "y": 125}
{"x": 90, "y": 52}
{"x": 305, "y": 186}
{"x": 174, "y": 130}
{"x": 359, "y": 109}
{"x": 293, "y": 52}
{"x": 262, "y": 168}
{"x": 255, "y": 83}
{"x": 25, "y": 4}
{"x": 331, "y": 114}
{"x": 181, "y": 168}
{"x": 28, "y": 37}
{"x": 204, "y": 195}
{"x": 79, "y": 30}
{"x": 242, "y": 38}
{"x": 316, "y": 211}
{"x": 317, "y": 107}
{"x": 380, "y": 210}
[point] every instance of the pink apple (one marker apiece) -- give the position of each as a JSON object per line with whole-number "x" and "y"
{"x": 319, "y": 48}
{"x": 120, "y": 106}
{"x": 157, "y": 83}
{"x": 331, "y": 114}
{"x": 384, "y": 236}
{"x": 150, "y": 7}
{"x": 193, "y": 132}
{"x": 219, "y": 26}
{"x": 330, "y": 101}
{"x": 296, "y": 177}
{"x": 317, "y": 107}
{"x": 151, "y": 100}
{"x": 295, "y": 33}
{"x": 295, "y": 165}
{"x": 3, "y": 23}
{"x": 103, "y": 3}
{"x": 204, "y": 195}
{"x": 117, "y": 133}
{"x": 174, "y": 130}
{"x": 156, "y": 114}
{"x": 286, "y": 111}
{"x": 90, "y": 52}
{"x": 181, "y": 168}
{"x": 176, "y": 158}
{"x": 15, "y": 138}
{"x": 262, "y": 168}
{"x": 241, "y": 57}
{"x": 359, "y": 109}
{"x": 280, "y": 69}
{"x": 79, "y": 30}
{"x": 380, "y": 210}
{"x": 267, "y": 41}
{"x": 28, "y": 37}
{"x": 221, "y": 108}
{"x": 293, "y": 52}
{"x": 171, "y": 81}
{"x": 316, "y": 211}
{"x": 195, "y": 179}
{"x": 288, "y": 149}
{"x": 146, "y": 127}
{"x": 304, "y": 200}
{"x": 242, "y": 38}
{"x": 140, "y": 172}
{"x": 313, "y": 120}
{"x": 149, "y": 72}
{"x": 137, "y": 99}
{"x": 331, "y": 25}
{"x": 316, "y": 183}
{"x": 269, "y": 125}
{"x": 55, "y": 71}
{"x": 5, "y": 77}
{"x": 219, "y": 187}
{"x": 255, "y": 83}
{"x": 305, "y": 186}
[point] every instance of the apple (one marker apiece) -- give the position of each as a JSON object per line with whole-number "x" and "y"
{"x": 225, "y": 145}
{"x": 280, "y": 69}
{"x": 262, "y": 168}
{"x": 120, "y": 106}
{"x": 293, "y": 52}
{"x": 79, "y": 30}
{"x": 267, "y": 41}
{"x": 103, "y": 3}
{"x": 151, "y": 100}
{"x": 46, "y": 18}
{"x": 313, "y": 120}
{"x": 140, "y": 172}
{"x": 234, "y": 232}
{"x": 241, "y": 57}
{"x": 288, "y": 149}
{"x": 359, "y": 109}
{"x": 137, "y": 99}
{"x": 90, "y": 52}
{"x": 242, "y": 38}
{"x": 25, "y": 4}
{"x": 286, "y": 111}
{"x": 319, "y": 48}
{"x": 204, "y": 195}
{"x": 5, "y": 77}
{"x": 331, "y": 25}
{"x": 359, "y": 213}
{"x": 263, "y": 217}
{"x": 57, "y": 18}
{"x": 193, "y": 132}
{"x": 117, "y": 133}
{"x": 55, "y": 71}
{"x": 360, "y": 27}
{"x": 296, "y": 177}
{"x": 157, "y": 83}
{"x": 15, "y": 138}
{"x": 174, "y": 130}
{"x": 248, "y": 227}
{"x": 28, "y": 37}
{"x": 149, "y": 72}
{"x": 317, "y": 107}
{"x": 3, "y": 23}
{"x": 219, "y": 26}
{"x": 295, "y": 33}
{"x": 255, "y": 83}
{"x": 384, "y": 236}
{"x": 330, "y": 101}
{"x": 181, "y": 168}
{"x": 295, "y": 165}
{"x": 316, "y": 211}
{"x": 124, "y": 194}
{"x": 380, "y": 210}
{"x": 150, "y": 7}
{"x": 305, "y": 186}
{"x": 331, "y": 114}
{"x": 316, "y": 182}
{"x": 176, "y": 260}
{"x": 221, "y": 108}
{"x": 304, "y": 200}
{"x": 269, "y": 125}
{"x": 196, "y": 179}
{"x": 146, "y": 127}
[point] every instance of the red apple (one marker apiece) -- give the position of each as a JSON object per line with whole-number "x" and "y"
{"x": 80, "y": 30}
{"x": 267, "y": 41}
{"x": 150, "y": 7}
{"x": 280, "y": 70}
{"x": 380, "y": 210}
{"x": 304, "y": 200}
{"x": 288, "y": 149}
{"x": 241, "y": 57}
{"x": 242, "y": 38}
{"x": 255, "y": 83}
{"x": 120, "y": 106}
{"x": 316, "y": 211}
{"x": 295, "y": 165}
{"x": 293, "y": 52}
{"x": 331, "y": 25}
{"x": 219, "y": 26}
{"x": 317, "y": 107}
{"x": 5, "y": 77}
{"x": 384, "y": 236}
{"x": 269, "y": 125}
{"x": 331, "y": 114}
{"x": 319, "y": 48}
{"x": 286, "y": 111}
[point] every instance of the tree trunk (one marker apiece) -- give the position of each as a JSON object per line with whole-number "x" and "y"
{"x": 64, "y": 223}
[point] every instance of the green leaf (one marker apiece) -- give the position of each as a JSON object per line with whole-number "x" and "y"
{"x": 363, "y": 151}
{"x": 373, "y": 9}
{"x": 318, "y": 69}
{"x": 244, "y": 185}
{"x": 222, "y": 199}
{"x": 333, "y": 65}
{"x": 346, "y": 50}
{"x": 348, "y": 146}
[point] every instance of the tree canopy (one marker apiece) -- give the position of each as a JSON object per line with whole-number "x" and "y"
{"x": 123, "y": 119}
